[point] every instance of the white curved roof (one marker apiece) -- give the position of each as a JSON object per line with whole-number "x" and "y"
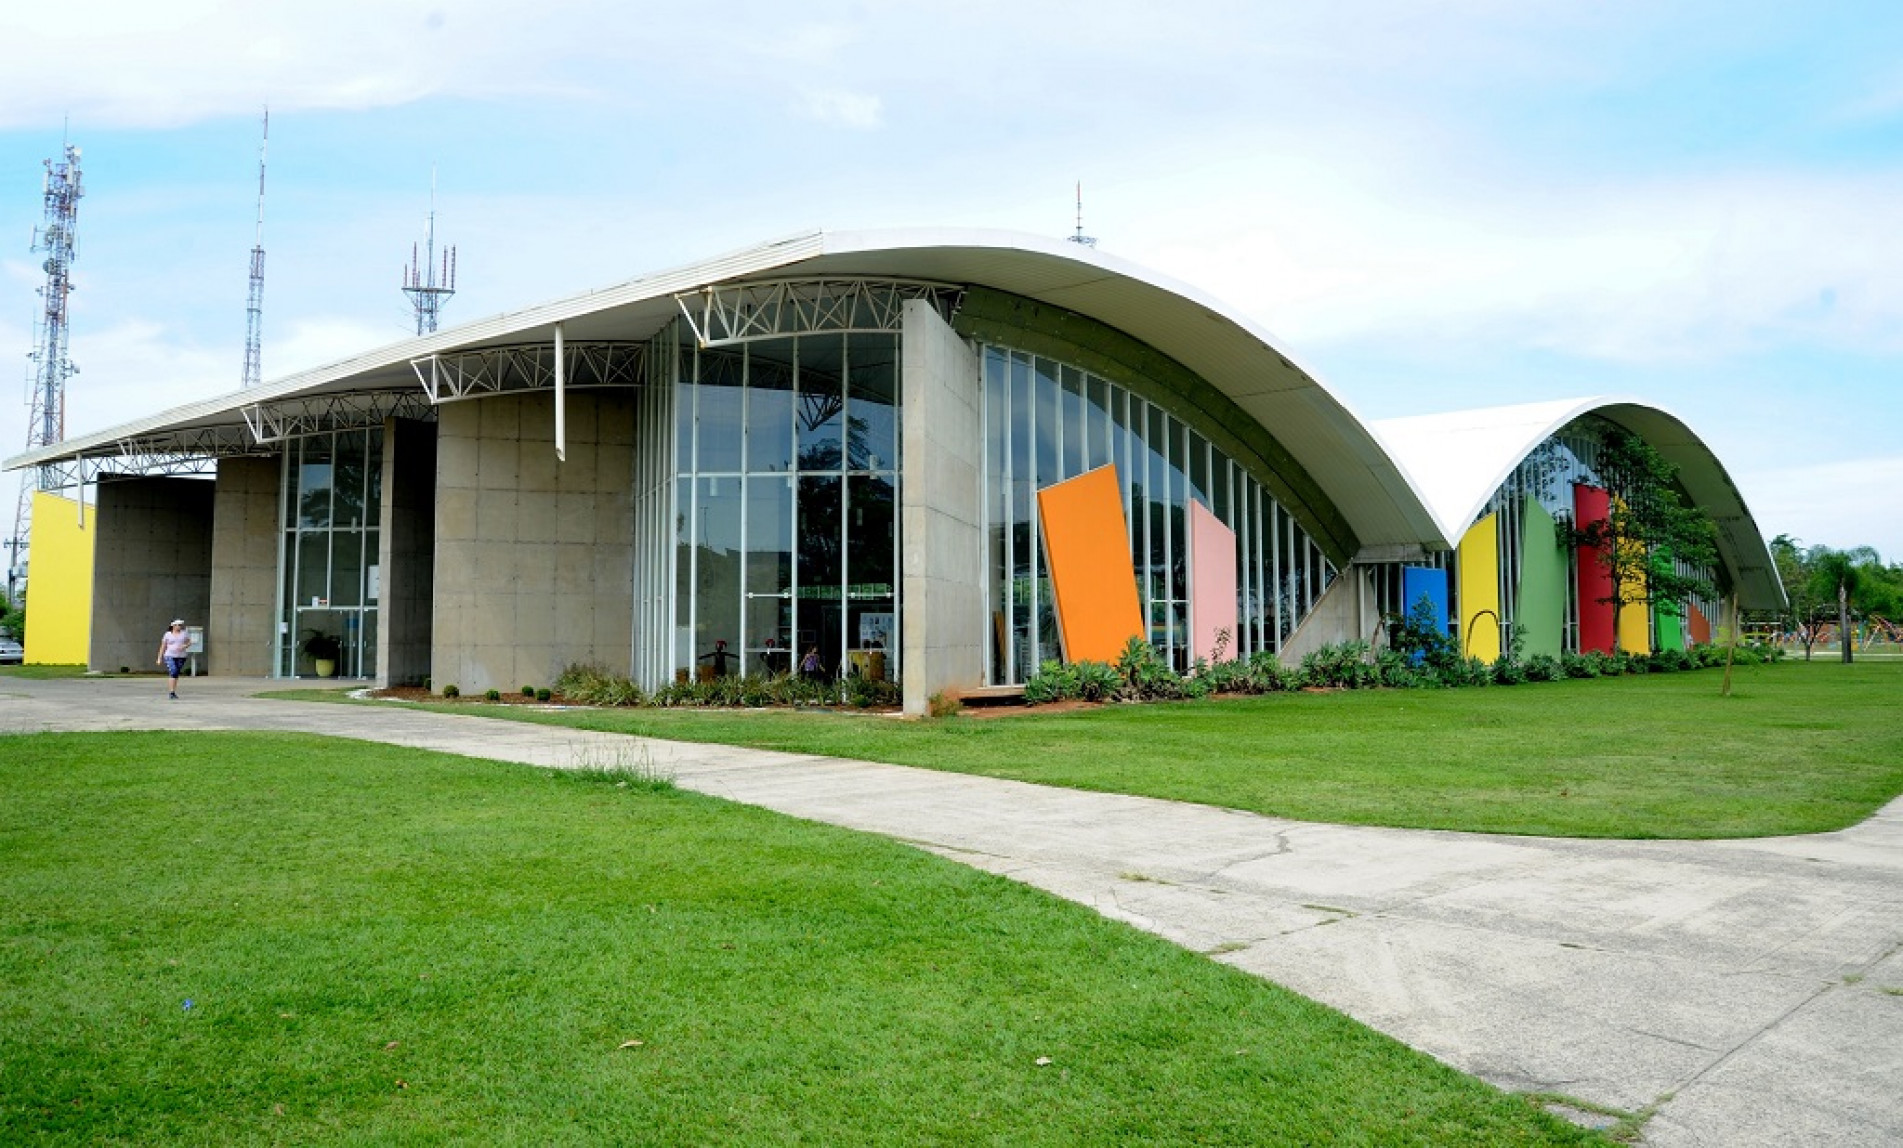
{"x": 1460, "y": 458}
{"x": 1372, "y": 494}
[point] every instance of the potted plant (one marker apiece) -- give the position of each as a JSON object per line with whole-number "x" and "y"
{"x": 323, "y": 650}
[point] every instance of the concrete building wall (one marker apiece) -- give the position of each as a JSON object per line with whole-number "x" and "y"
{"x": 151, "y": 564}
{"x": 1346, "y": 612}
{"x": 533, "y": 557}
{"x": 941, "y": 511}
{"x": 407, "y": 552}
{"x": 241, "y": 631}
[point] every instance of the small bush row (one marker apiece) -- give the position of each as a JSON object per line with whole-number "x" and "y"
{"x": 1140, "y": 674}
{"x": 594, "y": 686}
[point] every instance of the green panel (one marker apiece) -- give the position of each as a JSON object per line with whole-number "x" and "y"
{"x": 1670, "y": 630}
{"x": 1541, "y": 618}
{"x": 1042, "y": 329}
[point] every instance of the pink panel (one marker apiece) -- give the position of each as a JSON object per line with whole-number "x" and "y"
{"x": 1212, "y": 583}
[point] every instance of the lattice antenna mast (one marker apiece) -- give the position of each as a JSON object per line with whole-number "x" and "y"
{"x": 1078, "y": 236}
{"x": 427, "y": 288}
{"x": 58, "y": 237}
{"x": 254, "y": 306}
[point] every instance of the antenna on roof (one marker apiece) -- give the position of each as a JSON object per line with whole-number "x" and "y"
{"x": 427, "y": 287}
{"x": 1078, "y": 237}
{"x": 254, "y": 307}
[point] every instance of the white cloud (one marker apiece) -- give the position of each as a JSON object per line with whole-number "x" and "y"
{"x": 1660, "y": 271}
{"x": 849, "y": 109}
{"x": 118, "y": 63}
{"x": 1838, "y": 504}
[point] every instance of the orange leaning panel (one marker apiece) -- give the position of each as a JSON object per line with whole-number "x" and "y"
{"x": 1092, "y": 578}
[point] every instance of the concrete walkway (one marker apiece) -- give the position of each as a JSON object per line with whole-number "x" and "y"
{"x": 1750, "y": 991}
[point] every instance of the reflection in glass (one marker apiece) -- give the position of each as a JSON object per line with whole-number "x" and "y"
{"x": 770, "y": 573}
{"x": 769, "y": 414}
{"x": 1073, "y": 428}
{"x": 718, "y": 415}
{"x": 314, "y": 477}
{"x": 821, "y": 365}
{"x": 872, "y": 402}
{"x": 717, "y": 576}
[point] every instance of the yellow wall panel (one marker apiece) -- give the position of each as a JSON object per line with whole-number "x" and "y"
{"x": 1635, "y": 628}
{"x": 1479, "y": 564}
{"x": 59, "y": 582}
{"x": 1635, "y": 617}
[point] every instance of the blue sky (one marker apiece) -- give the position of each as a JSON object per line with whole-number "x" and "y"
{"x": 1433, "y": 206}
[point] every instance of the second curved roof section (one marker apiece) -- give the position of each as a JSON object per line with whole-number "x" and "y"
{"x": 1460, "y": 458}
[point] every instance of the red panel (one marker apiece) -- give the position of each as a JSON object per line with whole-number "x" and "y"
{"x": 1699, "y": 625}
{"x": 1590, "y": 505}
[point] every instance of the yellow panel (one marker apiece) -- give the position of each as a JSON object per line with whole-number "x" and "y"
{"x": 59, "y": 583}
{"x": 1635, "y": 632}
{"x": 1635, "y": 617}
{"x": 1092, "y": 578}
{"x": 1479, "y": 565}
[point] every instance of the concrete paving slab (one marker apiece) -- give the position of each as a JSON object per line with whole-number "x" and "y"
{"x": 1737, "y": 986}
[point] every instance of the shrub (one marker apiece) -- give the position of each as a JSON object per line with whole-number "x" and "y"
{"x": 1668, "y": 661}
{"x": 594, "y": 686}
{"x": 529, "y": 691}
{"x": 1426, "y": 645}
{"x": 1544, "y": 668}
{"x": 1053, "y": 682}
{"x": 1396, "y": 669}
{"x": 1146, "y": 676}
{"x": 865, "y": 693}
{"x": 1509, "y": 671}
{"x": 944, "y": 704}
{"x": 1222, "y": 677}
{"x": 1266, "y": 674}
{"x": 542, "y": 694}
{"x": 1097, "y": 681}
{"x": 493, "y": 696}
{"x": 450, "y": 691}
{"x": 1343, "y": 664}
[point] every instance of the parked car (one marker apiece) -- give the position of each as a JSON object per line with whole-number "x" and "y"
{"x": 11, "y": 652}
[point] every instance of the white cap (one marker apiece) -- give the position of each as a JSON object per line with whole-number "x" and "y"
{"x": 178, "y": 621}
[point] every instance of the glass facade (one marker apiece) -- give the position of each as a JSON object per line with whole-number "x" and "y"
{"x": 333, "y": 496}
{"x": 785, "y": 521}
{"x": 1046, "y": 421}
{"x": 1547, "y": 475}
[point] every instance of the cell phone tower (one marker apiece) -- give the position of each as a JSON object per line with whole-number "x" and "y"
{"x": 254, "y": 308}
{"x": 428, "y": 288}
{"x": 58, "y": 237}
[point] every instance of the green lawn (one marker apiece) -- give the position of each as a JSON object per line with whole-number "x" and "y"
{"x": 42, "y": 672}
{"x": 221, "y": 937}
{"x": 1796, "y": 749}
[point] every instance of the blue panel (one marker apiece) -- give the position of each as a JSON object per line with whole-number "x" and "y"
{"x": 1419, "y": 580}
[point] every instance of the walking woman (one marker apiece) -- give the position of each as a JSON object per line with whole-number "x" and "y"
{"x": 172, "y": 650}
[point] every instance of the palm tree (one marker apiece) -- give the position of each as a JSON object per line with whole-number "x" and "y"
{"x": 1836, "y": 573}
